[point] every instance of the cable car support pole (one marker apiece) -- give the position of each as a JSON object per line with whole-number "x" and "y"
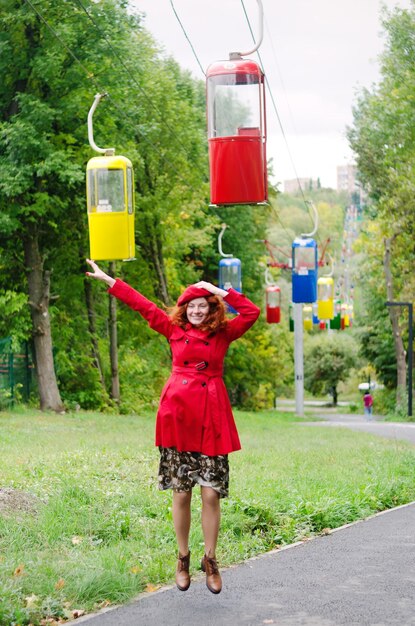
{"x": 331, "y": 272}
{"x": 299, "y": 359}
{"x": 221, "y": 252}
{"x": 299, "y": 337}
{"x": 239, "y": 55}
{"x": 313, "y": 232}
{"x": 106, "y": 151}
{"x": 269, "y": 281}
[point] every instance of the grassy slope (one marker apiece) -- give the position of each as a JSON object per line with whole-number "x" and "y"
{"x": 106, "y": 532}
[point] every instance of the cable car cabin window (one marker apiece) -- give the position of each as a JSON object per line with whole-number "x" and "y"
{"x": 106, "y": 190}
{"x": 308, "y": 318}
{"x": 273, "y": 299}
{"x": 234, "y": 106}
{"x": 304, "y": 260}
{"x": 229, "y": 274}
{"x": 325, "y": 292}
{"x": 130, "y": 190}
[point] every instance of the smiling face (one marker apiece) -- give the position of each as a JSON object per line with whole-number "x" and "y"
{"x": 197, "y": 311}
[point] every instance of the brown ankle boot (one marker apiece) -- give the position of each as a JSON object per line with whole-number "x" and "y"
{"x": 213, "y": 579}
{"x": 182, "y": 572}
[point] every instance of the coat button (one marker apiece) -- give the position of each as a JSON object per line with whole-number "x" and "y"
{"x": 185, "y": 362}
{"x": 186, "y": 341}
{"x": 206, "y": 343}
{"x": 184, "y": 382}
{"x": 203, "y": 384}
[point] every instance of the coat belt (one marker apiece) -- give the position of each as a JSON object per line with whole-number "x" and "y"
{"x": 191, "y": 371}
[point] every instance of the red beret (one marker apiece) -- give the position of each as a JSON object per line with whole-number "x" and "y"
{"x": 192, "y": 292}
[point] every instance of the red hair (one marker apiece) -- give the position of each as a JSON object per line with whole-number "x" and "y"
{"x": 214, "y": 321}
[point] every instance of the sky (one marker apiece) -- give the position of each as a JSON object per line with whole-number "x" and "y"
{"x": 316, "y": 55}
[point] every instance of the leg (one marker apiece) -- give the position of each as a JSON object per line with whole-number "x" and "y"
{"x": 181, "y": 519}
{"x": 210, "y": 526}
{"x": 210, "y": 519}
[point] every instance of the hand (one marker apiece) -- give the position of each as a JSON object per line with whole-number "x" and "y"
{"x": 203, "y": 284}
{"x": 99, "y": 274}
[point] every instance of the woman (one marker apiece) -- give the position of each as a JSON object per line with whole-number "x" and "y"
{"x": 195, "y": 429}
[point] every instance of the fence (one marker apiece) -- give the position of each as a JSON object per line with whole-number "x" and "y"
{"x": 16, "y": 372}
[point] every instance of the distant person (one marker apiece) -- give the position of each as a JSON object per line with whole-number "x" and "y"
{"x": 368, "y": 403}
{"x": 195, "y": 428}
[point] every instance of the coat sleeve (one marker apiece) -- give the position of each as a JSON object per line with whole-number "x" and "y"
{"x": 157, "y": 319}
{"x": 248, "y": 314}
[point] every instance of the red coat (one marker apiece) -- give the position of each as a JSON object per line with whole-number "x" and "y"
{"x": 194, "y": 414}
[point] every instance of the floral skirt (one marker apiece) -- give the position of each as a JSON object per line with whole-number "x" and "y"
{"x": 181, "y": 471}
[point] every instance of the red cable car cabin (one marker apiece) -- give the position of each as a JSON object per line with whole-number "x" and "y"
{"x": 273, "y": 304}
{"x": 236, "y": 132}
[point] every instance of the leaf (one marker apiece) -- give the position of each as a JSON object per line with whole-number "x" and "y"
{"x": 32, "y": 601}
{"x": 60, "y": 584}
{"x": 76, "y": 540}
{"x": 150, "y": 588}
{"x": 78, "y": 613}
{"x": 136, "y": 569}
{"x": 103, "y": 604}
{"x": 19, "y": 571}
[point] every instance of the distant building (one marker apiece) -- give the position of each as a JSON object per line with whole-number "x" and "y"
{"x": 293, "y": 185}
{"x": 346, "y": 178}
{"x": 347, "y": 181}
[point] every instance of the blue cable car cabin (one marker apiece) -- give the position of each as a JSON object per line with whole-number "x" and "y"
{"x": 304, "y": 271}
{"x": 230, "y": 275}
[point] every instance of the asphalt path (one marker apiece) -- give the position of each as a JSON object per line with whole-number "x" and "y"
{"x": 360, "y": 574}
{"x": 375, "y": 425}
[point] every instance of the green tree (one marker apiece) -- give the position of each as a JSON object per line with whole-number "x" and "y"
{"x": 328, "y": 360}
{"x": 155, "y": 115}
{"x": 382, "y": 137}
{"x": 52, "y": 65}
{"x": 372, "y": 318}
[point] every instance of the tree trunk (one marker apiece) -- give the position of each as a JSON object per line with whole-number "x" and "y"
{"x": 89, "y": 301}
{"x": 158, "y": 263}
{"x": 397, "y": 336}
{"x": 153, "y": 248}
{"x": 39, "y": 295}
{"x": 115, "y": 380}
{"x": 334, "y": 395}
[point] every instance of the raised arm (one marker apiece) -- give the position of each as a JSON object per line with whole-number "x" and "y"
{"x": 248, "y": 311}
{"x": 99, "y": 274}
{"x": 248, "y": 314}
{"x": 157, "y": 319}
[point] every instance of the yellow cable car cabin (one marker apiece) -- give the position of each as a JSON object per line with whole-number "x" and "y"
{"x": 325, "y": 295}
{"x": 308, "y": 317}
{"x": 345, "y": 319}
{"x": 110, "y": 201}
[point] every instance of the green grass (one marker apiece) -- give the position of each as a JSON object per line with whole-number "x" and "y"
{"x": 105, "y": 532}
